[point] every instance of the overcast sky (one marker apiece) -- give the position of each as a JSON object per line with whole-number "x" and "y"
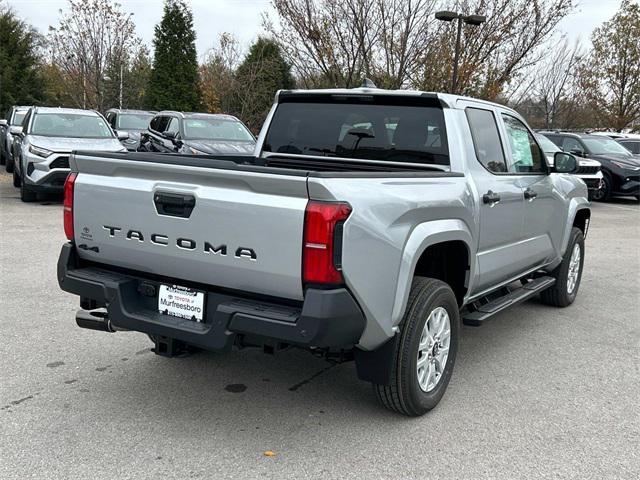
{"x": 243, "y": 17}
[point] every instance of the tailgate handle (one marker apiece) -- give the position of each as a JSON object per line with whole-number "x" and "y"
{"x": 174, "y": 204}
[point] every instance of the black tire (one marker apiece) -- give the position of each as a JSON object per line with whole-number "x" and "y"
{"x": 26, "y": 194}
{"x": 16, "y": 179}
{"x": 404, "y": 394}
{"x": 559, "y": 295}
{"x": 603, "y": 194}
{"x": 9, "y": 167}
{"x": 2, "y": 157}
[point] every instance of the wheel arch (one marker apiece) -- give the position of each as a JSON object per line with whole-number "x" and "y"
{"x": 428, "y": 252}
{"x": 579, "y": 216}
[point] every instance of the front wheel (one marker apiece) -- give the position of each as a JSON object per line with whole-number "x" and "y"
{"x": 568, "y": 274}
{"x": 26, "y": 194}
{"x": 604, "y": 193}
{"x": 16, "y": 179}
{"x": 9, "y": 167}
{"x": 425, "y": 351}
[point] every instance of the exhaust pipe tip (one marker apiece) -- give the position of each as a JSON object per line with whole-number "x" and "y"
{"x": 94, "y": 320}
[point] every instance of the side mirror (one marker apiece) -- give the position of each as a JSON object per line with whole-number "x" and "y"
{"x": 3, "y": 123}
{"x": 564, "y": 163}
{"x": 122, "y": 135}
{"x": 170, "y": 135}
{"x": 15, "y": 130}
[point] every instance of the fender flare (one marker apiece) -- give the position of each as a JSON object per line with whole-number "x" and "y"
{"x": 576, "y": 204}
{"x": 422, "y": 237}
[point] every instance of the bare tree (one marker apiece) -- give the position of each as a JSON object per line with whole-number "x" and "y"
{"x": 337, "y": 42}
{"x": 610, "y": 76}
{"x": 92, "y": 38}
{"x": 217, "y": 74}
{"x": 556, "y": 83}
{"x": 497, "y": 52}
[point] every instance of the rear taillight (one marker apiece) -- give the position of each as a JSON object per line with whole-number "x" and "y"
{"x": 322, "y": 243}
{"x": 68, "y": 205}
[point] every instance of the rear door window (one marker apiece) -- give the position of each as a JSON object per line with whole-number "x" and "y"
{"x": 369, "y": 128}
{"x": 486, "y": 139}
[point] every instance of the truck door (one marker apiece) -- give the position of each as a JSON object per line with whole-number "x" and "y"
{"x": 500, "y": 202}
{"x": 544, "y": 209}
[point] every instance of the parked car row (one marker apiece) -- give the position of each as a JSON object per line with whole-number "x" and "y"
{"x": 620, "y": 167}
{"x": 37, "y": 141}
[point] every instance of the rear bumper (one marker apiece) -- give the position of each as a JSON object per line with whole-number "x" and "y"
{"x": 326, "y": 318}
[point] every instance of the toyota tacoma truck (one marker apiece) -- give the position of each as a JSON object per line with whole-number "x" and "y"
{"x": 367, "y": 225}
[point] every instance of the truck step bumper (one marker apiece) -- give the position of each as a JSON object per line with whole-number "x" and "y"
{"x": 497, "y": 305}
{"x": 326, "y": 318}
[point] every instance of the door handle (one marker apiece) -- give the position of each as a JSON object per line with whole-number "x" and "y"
{"x": 530, "y": 194}
{"x": 174, "y": 205}
{"x": 491, "y": 198}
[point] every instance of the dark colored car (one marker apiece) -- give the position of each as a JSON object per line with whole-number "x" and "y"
{"x": 621, "y": 169}
{"x": 197, "y": 134}
{"x": 631, "y": 144}
{"x": 130, "y": 124}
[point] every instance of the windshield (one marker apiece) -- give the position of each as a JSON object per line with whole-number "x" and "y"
{"x": 18, "y": 117}
{"x": 70, "y": 125}
{"x": 547, "y": 145}
{"x": 134, "y": 121}
{"x": 382, "y": 129}
{"x": 602, "y": 146}
{"x": 215, "y": 129}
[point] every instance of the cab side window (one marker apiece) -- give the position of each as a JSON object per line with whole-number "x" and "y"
{"x": 158, "y": 124}
{"x": 173, "y": 127}
{"x": 525, "y": 152}
{"x": 486, "y": 139}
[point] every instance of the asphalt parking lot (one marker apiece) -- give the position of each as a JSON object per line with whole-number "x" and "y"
{"x": 537, "y": 393}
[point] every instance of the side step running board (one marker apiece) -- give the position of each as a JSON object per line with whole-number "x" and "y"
{"x": 488, "y": 310}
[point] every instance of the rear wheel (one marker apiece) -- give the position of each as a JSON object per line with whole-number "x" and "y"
{"x": 568, "y": 274}
{"x": 425, "y": 351}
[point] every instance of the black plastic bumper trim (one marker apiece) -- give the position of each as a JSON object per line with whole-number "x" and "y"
{"x": 327, "y": 318}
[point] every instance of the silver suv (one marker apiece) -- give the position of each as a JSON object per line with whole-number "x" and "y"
{"x": 14, "y": 119}
{"x": 48, "y": 135}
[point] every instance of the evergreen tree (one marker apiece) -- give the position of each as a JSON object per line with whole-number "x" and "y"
{"x": 263, "y": 72}
{"x": 20, "y": 83}
{"x": 174, "y": 77}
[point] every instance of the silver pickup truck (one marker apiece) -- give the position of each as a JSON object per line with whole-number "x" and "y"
{"x": 368, "y": 225}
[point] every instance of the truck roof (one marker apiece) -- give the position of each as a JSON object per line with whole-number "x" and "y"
{"x": 447, "y": 100}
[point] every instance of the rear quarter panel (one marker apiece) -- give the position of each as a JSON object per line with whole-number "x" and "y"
{"x": 393, "y": 221}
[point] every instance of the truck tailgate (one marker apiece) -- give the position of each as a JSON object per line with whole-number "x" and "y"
{"x": 231, "y": 228}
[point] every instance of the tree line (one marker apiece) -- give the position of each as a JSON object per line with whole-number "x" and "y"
{"x": 93, "y": 58}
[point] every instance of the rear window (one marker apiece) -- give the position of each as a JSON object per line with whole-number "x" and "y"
{"x": 370, "y": 128}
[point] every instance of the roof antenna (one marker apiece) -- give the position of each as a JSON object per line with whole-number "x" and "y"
{"x": 368, "y": 83}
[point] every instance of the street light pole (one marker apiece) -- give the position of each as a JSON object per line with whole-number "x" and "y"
{"x": 120, "y": 98}
{"x": 447, "y": 16}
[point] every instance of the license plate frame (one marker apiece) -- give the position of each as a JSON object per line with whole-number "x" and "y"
{"x": 181, "y": 302}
